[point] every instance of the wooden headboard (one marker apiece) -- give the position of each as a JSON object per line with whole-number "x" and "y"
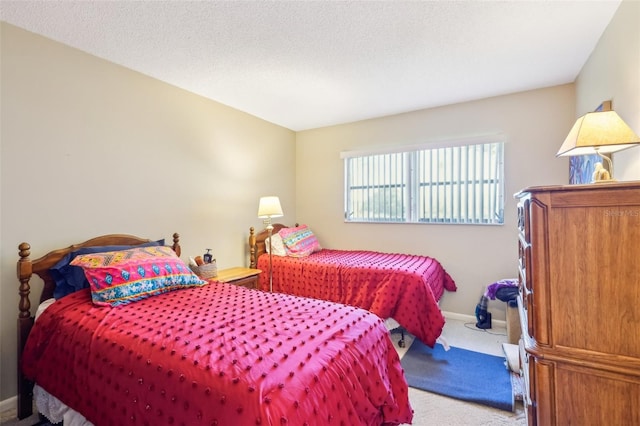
{"x": 40, "y": 267}
{"x": 257, "y": 245}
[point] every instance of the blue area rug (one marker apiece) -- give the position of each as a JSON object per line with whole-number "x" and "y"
{"x": 459, "y": 373}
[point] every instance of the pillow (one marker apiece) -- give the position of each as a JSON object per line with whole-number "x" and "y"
{"x": 277, "y": 245}
{"x": 120, "y": 277}
{"x": 70, "y": 278}
{"x": 299, "y": 241}
{"x": 42, "y": 307}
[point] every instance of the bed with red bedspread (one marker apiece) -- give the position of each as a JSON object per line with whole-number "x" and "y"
{"x": 404, "y": 287}
{"x": 217, "y": 354}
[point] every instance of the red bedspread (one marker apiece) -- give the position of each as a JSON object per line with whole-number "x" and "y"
{"x": 218, "y": 355}
{"x": 399, "y": 286}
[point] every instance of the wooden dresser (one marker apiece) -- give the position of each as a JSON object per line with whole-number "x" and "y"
{"x": 579, "y": 304}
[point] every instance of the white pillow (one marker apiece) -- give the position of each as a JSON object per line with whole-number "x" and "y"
{"x": 276, "y": 245}
{"x": 44, "y": 305}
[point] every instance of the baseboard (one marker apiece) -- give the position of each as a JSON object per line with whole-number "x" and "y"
{"x": 9, "y": 403}
{"x": 471, "y": 318}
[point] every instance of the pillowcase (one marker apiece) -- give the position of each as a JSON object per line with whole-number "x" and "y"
{"x": 70, "y": 278}
{"x": 299, "y": 241}
{"x": 277, "y": 245}
{"x": 121, "y": 277}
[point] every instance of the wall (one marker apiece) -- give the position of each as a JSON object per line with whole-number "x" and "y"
{"x": 535, "y": 124}
{"x": 613, "y": 73}
{"x": 91, "y": 148}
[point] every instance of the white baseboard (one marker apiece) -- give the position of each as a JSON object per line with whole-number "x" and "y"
{"x": 9, "y": 403}
{"x": 457, "y": 316}
{"x": 471, "y": 318}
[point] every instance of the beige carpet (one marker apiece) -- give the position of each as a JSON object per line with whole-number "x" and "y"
{"x": 432, "y": 409}
{"x": 8, "y": 418}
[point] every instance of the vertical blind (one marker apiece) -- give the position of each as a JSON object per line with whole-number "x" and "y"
{"x": 453, "y": 184}
{"x": 377, "y": 188}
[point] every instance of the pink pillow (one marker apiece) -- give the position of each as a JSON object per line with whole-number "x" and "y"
{"x": 120, "y": 277}
{"x": 299, "y": 241}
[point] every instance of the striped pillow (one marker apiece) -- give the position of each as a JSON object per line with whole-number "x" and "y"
{"x": 299, "y": 241}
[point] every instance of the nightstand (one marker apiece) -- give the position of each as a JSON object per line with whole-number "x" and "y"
{"x": 245, "y": 277}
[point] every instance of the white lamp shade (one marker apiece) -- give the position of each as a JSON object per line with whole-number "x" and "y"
{"x": 604, "y": 132}
{"x": 269, "y": 207}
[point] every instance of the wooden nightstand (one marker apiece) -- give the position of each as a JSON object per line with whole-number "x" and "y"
{"x": 245, "y": 277}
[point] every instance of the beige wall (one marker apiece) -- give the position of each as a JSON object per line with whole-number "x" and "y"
{"x": 534, "y": 125}
{"x": 613, "y": 73}
{"x": 90, "y": 148}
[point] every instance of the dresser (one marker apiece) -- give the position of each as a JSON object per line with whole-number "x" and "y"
{"x": 579, "y": 303}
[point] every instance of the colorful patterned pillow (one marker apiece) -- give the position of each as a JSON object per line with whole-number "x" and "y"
{"x": 70, "y": 278}
{"x": 299, "y": 241}
{"x": 120, "y": 277}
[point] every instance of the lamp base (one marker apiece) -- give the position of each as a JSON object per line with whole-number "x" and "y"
{"x": 600, "y": 173}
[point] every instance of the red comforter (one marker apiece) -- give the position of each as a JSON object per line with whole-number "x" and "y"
{"x": 218, "y": 355}
{"x": 399, "y": 286}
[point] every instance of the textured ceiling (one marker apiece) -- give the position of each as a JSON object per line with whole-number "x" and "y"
{"x": 307, "y": 64}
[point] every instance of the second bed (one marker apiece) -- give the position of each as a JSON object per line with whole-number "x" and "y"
{"x": 403, "y": 287}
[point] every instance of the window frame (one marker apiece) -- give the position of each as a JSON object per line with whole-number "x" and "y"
{"x": 413, "y": 181}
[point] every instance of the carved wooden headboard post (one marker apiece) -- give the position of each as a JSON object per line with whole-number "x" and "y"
{"x": 252, "y": 248}
{"x": 176, "y": 244}
{"x": 25, "y": 323}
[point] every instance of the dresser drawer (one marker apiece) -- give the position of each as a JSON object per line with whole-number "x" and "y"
{"x": 527, "y": 371}
{"x": 525, "y": 309}
{"x": 525, "y": 374}
{"x": 249, "y": 282}
{"x": 524, "y": 226}
{"x": 524, "y": 264}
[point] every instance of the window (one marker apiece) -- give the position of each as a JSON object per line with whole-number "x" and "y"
{"x": 458, "y": 183}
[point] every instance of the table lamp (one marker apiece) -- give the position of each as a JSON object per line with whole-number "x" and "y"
{"x": 600, "y": 132}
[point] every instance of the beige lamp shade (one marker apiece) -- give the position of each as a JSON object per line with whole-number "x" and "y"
{"x": 603, "y": 132}
{"x": 269, "y": 207}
